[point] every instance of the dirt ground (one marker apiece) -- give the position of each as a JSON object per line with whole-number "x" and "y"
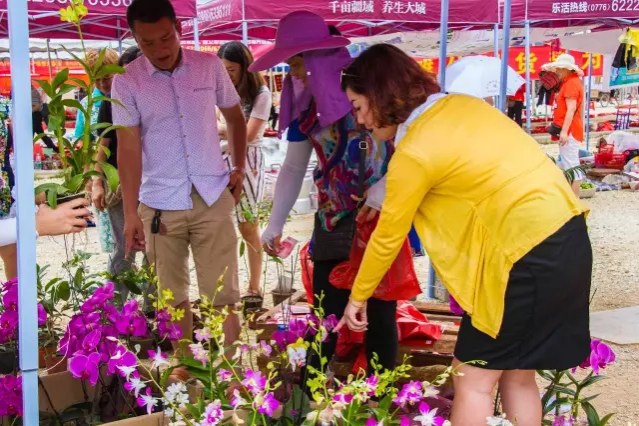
{"x": 613, "y": 224}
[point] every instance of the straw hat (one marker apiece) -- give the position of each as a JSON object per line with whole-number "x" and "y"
{"x": 564, "y": 61}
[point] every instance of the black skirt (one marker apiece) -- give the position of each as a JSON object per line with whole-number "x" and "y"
{"x": 546, "y": 316}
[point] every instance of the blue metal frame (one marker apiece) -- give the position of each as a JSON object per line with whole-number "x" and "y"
{"x": 528, "y": 82}
{"x": 504, "y": 57}
{"x": 196, "y": 34}
{"x": 23, "y": 143}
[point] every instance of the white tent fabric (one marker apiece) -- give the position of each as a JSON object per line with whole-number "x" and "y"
{"x": 604, "y": 42}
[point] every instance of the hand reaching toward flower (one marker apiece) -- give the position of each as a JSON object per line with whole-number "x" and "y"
{"x": 354, "y": 317}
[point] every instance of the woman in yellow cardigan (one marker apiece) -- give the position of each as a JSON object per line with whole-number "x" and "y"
{"x": 504, "y": 231}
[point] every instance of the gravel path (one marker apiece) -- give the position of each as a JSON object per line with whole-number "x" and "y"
{"x": 614, "y": 231}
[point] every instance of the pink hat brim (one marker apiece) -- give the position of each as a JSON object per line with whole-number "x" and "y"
{"x": 277, "y": 55}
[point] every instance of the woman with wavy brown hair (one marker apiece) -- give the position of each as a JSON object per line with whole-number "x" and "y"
{"x": 502, "y": 227}
{"x": 256, "y": 101}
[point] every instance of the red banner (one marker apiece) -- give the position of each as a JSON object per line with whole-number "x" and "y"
{"x": 539, "y": 55}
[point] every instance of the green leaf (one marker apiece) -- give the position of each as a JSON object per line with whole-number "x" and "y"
{"x": 242, "y": 248}
{"x": 52, "y": 199}
{"x": 563, "y": 389}
{"x": 109, "y": 69}
{"x": 194, "y": 411}
{"x": 106, "y": 150}
{"x": 191, "y": 363}
{"x": 39, "y": 137}
{"x": 606, "y": 419}
{"x": 591, "y": 380}
{"x": 98, "y": 126}
{"x": 86, "y": 67}
{"x": 46, "y": 87}
{"x": 111, "y": 174}
{"x": 591, "y": 414}
{"x": 556, "y": 403}
{"x": 165, "y": 376}
{"x": 60, "y": 78}
{"x": 299, "y": 403}
{"x": 98, "y": 63}
{"x": 133, "y": 287}
{"x": 63, "y": 291}
{"x": 75, "y": 183}
{"x": 66, "y": 88}
{"x": 72, "y": 103}
{"x": 80, "y": 82}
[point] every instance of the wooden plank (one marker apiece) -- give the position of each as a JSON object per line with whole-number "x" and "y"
{"x": 430, "y": 307}
{"x": 442, "y": 318}
{"x": 292, "y": 301}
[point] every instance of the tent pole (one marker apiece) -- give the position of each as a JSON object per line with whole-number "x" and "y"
{"x": 588, "y": 103}
{"x": 496, "y": 50}
{"x": 22, "y": 132}
{"x": 244, "y": 25}
{"x": 245, "y": 32}
{"x": 196, "y": 34}
{"x": 528, "y": 83}
{"x": 443, "y": 46}
{"x": 49, "y": 56}
{"x": 504, "y": 57}
{"x": 119, "y": 39}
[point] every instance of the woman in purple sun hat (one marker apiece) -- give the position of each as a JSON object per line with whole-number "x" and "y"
{"x": 318, "y": 116}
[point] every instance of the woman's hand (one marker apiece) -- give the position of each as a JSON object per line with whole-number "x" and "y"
{"x": 97, "y": 194}
{"x": 67, "y": 218}
{"x": 272, "y": 246}
{"x": 354, "y": 317}
{"x": 366, "y": 214}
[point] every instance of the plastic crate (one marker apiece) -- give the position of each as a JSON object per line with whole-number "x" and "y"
{"x": 610, "y": 161}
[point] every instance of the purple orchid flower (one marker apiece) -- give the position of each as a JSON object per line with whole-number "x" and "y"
{"x": 213, "y": 414}
{"x": 147, "y": 400}
{"x": 269, "y": 405}
{"x": 122, "y": 358}
{"x": 10, "y": 396}
{"x": 91, "y": 341}
{"x": 85, "y": 367}
{"x": 42, "y": 315}
{"x": 254, "y": 381}
{"x": 99, "y": 298}
{"x": 601, "y": 355}
{"x": 10, "y": 299}
{"x": 411, "y": 394}
{"x": 428, "y": 417}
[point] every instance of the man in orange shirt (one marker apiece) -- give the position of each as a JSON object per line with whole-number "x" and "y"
{"x": 568, "y": 111}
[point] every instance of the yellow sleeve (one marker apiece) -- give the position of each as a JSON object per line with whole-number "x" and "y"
{"x": 407, "y": 184}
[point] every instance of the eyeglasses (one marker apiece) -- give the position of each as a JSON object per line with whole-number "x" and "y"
{"x": 345, "y": 74}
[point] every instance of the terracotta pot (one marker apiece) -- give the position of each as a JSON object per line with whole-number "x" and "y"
{"x": 45, "y": 352}
{"x": 55, "y": 363}
{"x": 146, "y": 344}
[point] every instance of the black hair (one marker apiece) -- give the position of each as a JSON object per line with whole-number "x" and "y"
{"x": 251, "y": 82}
{"x": 129, "y": 55}
{"x": 332, "y": 29}
{"x": 149, "y": 11}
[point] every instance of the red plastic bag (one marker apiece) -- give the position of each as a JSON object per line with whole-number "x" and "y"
{"x": 399, "y": 283}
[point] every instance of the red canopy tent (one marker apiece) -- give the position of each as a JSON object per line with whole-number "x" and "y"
{"x": 106, "y": 19}
{"x": 565, "y": 13}
{"x": 257, "y": 19}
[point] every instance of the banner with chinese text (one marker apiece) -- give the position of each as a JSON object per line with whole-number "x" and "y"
{"x": 539, "y": 55}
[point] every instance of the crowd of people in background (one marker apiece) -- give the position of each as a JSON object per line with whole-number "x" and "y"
{"x": 503, "y": 229}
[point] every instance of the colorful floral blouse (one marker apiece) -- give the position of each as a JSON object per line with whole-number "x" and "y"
{"x": 336, "y": 175}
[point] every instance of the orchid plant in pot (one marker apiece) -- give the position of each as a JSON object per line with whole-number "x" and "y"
{"x": 79, "y": 157}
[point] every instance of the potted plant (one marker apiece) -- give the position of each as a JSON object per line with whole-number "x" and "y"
{"x": 78, "y": 157}
{"x": 50, "y": 296}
